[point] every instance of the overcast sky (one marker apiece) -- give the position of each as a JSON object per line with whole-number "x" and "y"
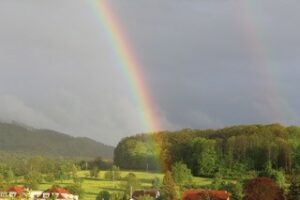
{"x": 207, "y": 64}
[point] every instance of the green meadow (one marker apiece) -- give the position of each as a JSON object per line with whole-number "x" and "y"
{"x": 92, "y": 186}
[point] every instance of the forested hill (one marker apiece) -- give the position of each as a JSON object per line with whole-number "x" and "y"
{"x": 205, "y": 152}
{"x": 20, "y": 139}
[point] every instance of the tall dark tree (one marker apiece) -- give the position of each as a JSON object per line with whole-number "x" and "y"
{"x": 94, "y": 172}
{"x": 169, "y": 187}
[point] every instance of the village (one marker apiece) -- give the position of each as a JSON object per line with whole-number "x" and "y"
{"x": 59, "y": 193}
{"x": 20, "y": 192}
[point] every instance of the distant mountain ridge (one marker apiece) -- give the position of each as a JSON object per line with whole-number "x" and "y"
{"x": 16, "y": 138}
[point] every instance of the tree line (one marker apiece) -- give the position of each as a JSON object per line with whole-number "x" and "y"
{"x": 230, "y": 151}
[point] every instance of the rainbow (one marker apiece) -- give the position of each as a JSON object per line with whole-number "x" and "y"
{"x": 278, "y": 109}
{"x": 128, "y": 64}
{"x": 131, "y": 69}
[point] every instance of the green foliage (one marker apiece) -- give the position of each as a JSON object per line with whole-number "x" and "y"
{"x": 76, "y": 189}
{"x": 169, "y": 187}
{"x": 32, "y": 179}
{"x": 296, "y": 156}
{"x": 181, "y": 174}
{"x": 235, "y": 189}
{"x": 49, "y": 177}
{"x": 97, "y": 162}
{"x": 103, "y": 195}
{"x": 204, "y": 157}
{"x": 118, "y": 196}
{"x": 294, "y": 143}
{"x": 132, "y": 183}
{"x": 137, "y": 154}
{"x": 276, "y": 175}
{"x": 294, "y": 189}
{"x": 155, "y": 183}
{"x": 113, "y": 174}
{"x": 78, "y": 180}
{"x": 234, "y": 151}
{"x": 9, "y": 176}
{"x": 217, "y": 182}
{"x": 238, "y": 171}
{"x": 94, "y": 172}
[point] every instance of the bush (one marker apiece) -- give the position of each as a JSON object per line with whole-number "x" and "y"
{"x": 236, "y": 190}
{"x": 155, "y": 182}
{"x": 103, "y": 195}
{"x": 181, "y": 174}
{"x": 113, "y": 174}
{"x": 277, "y": 176}
{"x": 132, "y": 183}
{"x": 94, "y": 172}
{"x": 294, "y": 189}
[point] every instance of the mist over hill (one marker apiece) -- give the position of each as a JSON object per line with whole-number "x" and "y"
{"x": 18, "y": 138}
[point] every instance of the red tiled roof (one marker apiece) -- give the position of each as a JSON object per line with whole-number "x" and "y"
{"x": 59, "y": 190}
{"x": 18, "y": 189}
{"x": 201, "y": 194}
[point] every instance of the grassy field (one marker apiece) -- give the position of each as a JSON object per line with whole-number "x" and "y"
{"x": 92, "y": 186}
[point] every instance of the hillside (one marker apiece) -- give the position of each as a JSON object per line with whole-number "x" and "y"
{"x": 21, "y": 139}
{"x": 237, "y": 148}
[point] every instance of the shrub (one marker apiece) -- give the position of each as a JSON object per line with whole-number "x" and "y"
{"x": 103, "y": 195}
{"x": 181, "y": 174}
{"x": 113, "y": 173}
{"x": 294, "y": 189}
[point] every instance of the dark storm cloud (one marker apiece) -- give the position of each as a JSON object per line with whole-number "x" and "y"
{"x": 58, "y": 70}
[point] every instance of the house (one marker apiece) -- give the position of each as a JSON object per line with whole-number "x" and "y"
{"x": 35, "y": 194}
{"x": 19, "y": 192}
{"x": 58, "y": 193}
{"x": 3, "y": 194}
{"x": 24, "y": 193}
{"x": 16, "y": 191}
{"x": 152, "y": 193}
{"x": 204, "y": 194}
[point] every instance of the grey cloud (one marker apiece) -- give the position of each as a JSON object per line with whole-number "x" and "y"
{"x": 13, "y": 109}
{"x": 200, "y": 60}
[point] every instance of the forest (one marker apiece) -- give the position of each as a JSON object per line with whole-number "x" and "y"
{"x": 230, "y": 151}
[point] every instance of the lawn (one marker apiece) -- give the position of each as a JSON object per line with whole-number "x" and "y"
{"x": 92, "y": 186}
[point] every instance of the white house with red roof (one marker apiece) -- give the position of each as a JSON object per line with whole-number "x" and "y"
{"x": 13, "y": 192}
{"x": 16, "y": 191}
{"x": 58, "y": 193}
{"x": 21, "y": 192}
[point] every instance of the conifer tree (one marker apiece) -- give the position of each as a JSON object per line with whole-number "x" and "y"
{"x": 169, "y": 187}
